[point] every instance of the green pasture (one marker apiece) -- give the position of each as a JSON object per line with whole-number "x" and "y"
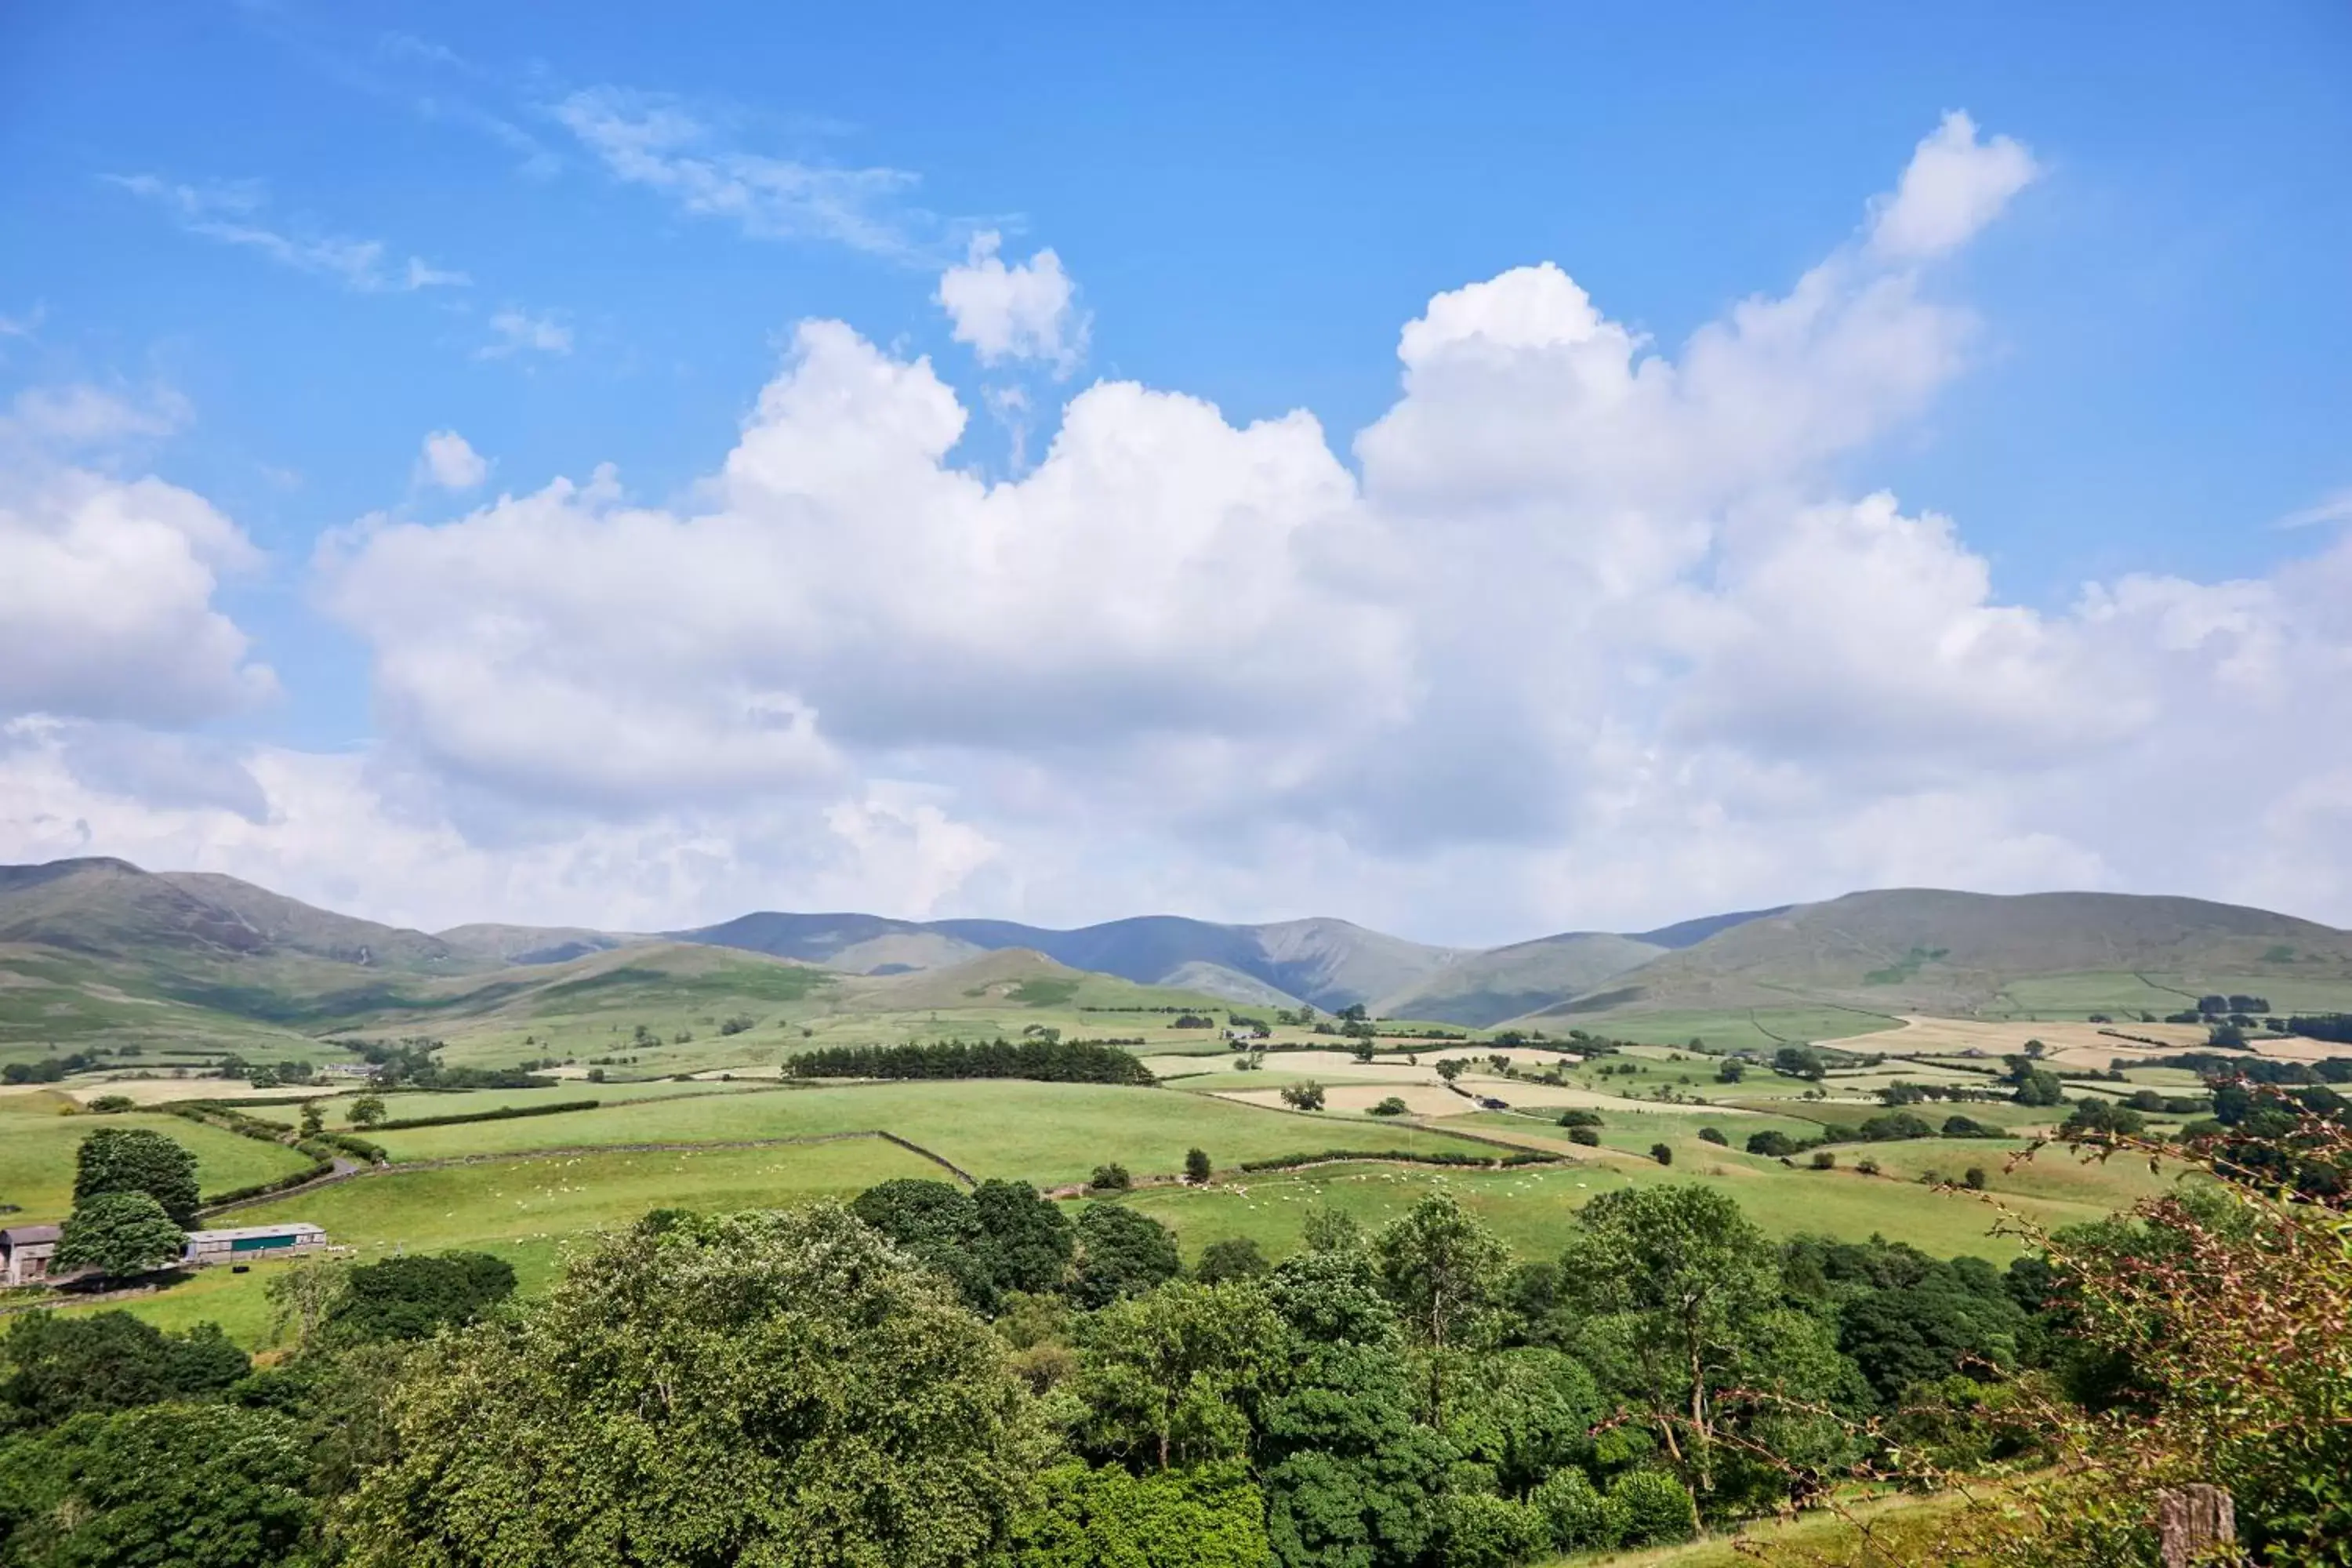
{"x": 2296, "y": 986}
{"x": 1731, "y": 1029}
{"x": 1043, "y": 1132}
{"x": 527, "y": 1211}
{"x": 37, "y": 1144}
{"x": 1634, "y": 1131}
{"x": 1533, "y": 1207}
{"x": 467, "y": 1103}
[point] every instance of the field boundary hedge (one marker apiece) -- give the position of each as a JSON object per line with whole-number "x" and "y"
{"x": 1405, "y": 1157}
{"x": 504, "y": 1113}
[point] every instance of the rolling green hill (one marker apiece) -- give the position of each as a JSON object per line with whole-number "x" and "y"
{"x": 1486, "y": 988}
{"x": 1974, "y": 955}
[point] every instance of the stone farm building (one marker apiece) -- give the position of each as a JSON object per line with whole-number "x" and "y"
{"x": 24, "y": 1252}
{"x": 25, "y": 1249}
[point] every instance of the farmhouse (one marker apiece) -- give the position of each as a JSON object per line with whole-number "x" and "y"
{"x": 24, "y": 1252}
{"x": 254, "y": 1241}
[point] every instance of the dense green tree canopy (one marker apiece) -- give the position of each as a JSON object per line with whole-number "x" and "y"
{"x": 1211, "y": 1515}
{"x": 411, "y": 1298}
{"x": 1025, "y": 1243}
{"x": 138, "y": 1160}
{"x": 165, "y": 1486}
{"x": 53, "y": 1366}
{"x": 119, "y": 1234}
{"x": 1120, "y": 1253}
{"x": 761, "y": 1389}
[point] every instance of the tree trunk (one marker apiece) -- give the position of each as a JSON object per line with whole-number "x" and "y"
{"x": 2190, "y": 1521}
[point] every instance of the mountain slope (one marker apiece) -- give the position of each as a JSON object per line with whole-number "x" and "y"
{"x": 1486, "y": 988}
{"x": 1329, "y": 962}
{"x": 112, "y": 909}
{"x": 1927, "y": 951}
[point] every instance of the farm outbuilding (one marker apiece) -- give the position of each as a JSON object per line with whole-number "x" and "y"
{"x": 249, "y": 1243}
{"x": 25, "y": 1253}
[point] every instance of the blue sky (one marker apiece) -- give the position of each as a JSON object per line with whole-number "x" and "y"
{"x": 288, "y": 241}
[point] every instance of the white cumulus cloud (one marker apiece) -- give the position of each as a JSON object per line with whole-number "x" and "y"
{"x": 1956, "y": 185}
{"x": 450, "y": 461}
{"x": 1027, "y": 310}
{"x": 1598, "y": 632}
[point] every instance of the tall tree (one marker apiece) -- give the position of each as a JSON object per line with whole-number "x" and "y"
{"x": 138, "y": 1160}
{"x": 1443, "y": 1268}
{"x": 119, "y": 1234}
{"x": 757, "y": 1387}
{"x": 1173, "y": 1371}
{"x": 1676, "y": 1279}
{"x": 1120, "y": 1253}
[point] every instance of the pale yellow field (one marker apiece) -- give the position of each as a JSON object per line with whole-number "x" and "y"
{"x": 157, "y": 1090}
{"x": 2072, "y": 1044}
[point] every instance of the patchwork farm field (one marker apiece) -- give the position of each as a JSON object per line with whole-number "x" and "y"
{"x": 1531, "y": 1208}
{"x": 1049, "y": 1133}
{"x": 37, "y": 1144}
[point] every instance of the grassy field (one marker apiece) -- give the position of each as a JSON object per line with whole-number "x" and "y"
{"x": 1902, "y": 1530}
{"x": 1532, "y": 1207}
{"x": 2323, "y": 990}
{"x": 1741, "y": 1029}
{"x": 1043, "y": 1132}
{"x": 400, "y": 1106}
{"x": 1634, "y": 1133}
{"x": 37, "y": 1144}
{"x": 528, "y": 1211}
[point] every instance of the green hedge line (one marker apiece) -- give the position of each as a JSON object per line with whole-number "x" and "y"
{"x": 509, "y": 1113}
{"x": 1476, "y": 1162}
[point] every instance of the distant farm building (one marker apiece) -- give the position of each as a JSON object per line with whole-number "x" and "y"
{"x": 24, "y": 1251}
{"x": 251, "y": 1243}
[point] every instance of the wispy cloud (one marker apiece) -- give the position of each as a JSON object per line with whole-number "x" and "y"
{"x": 230, "y": 212}
{"x": 82, "y": 416}
{"x": 2335, "y": 508}
{"x": 519, "y": 331}
{"x": 25, "y": 325}
{"x": 657, "y": 142}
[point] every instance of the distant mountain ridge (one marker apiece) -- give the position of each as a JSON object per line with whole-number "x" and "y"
{"x": 212, "y": 942}
{"x": 1327, "y": 964}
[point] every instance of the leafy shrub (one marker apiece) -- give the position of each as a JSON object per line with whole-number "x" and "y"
{"x": 1308, "y": 1096}
{"x": 1657, "y": 1508}
{"x": 1974, "y": 1178}
{"x": 1392, "y": 1106}
{"x": 1576, "y": 1514}
{"x": 1711, "y": 1135}
{"x": 1235, "y": 1258}
{"x": 1771, "y": 1143}
{"x": 1197, "y": 1166}
{"x": 1900, "y": 1125}
{"x": 1662, "y": 1154}
{"x": 1120, "y": 1253}
{"x": 1482, "y": 1530}
{"x": 1110, "y": 1178}
{"x": 410, "y": 1297}
{"x": 1825, "y": 1160}
{"x": 1580, "y": 1118}
{"x": 1866, "y": 1165}
{"x": 1584, "y": 1136}
{"x": 113, "y": 1105}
